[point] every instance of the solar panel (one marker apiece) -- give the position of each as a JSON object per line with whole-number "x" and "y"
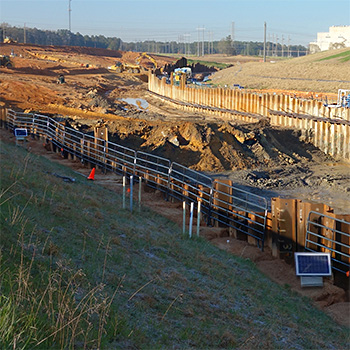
{"x": 313, "y": 264}
{"x": 21, "y": 132}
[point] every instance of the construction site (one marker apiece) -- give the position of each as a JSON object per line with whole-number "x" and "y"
{"x": 277, "y": 130}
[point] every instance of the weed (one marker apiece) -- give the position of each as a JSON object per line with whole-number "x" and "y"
{"x": 76, "y": 271}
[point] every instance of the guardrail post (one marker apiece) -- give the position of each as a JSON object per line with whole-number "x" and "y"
{"x": 198, "y": 216}
{"x": 191, "y": 220}
{"x": 140, "y": 189}
{"x": 135, "y": 161}
{"x": 168, "y": 184}
{"x": 104, "y": 157}
{"x": 184, "y": 217}
{"x": 131, "y": 191}
{"x": 124, "y": 185}
{"x": 209, "y": 223}
{"x": 82, "y": 149}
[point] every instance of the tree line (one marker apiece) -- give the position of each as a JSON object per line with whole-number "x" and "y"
{"x": 223, "y": 46}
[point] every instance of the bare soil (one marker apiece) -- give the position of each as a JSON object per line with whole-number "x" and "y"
{"x": 269, "y": 161}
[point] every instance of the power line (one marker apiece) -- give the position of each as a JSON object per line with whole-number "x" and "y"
{"x": 198, "y": 46}
{"x": 264, "y": 41}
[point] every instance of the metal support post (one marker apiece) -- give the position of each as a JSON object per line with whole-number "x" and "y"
{"x": 124, "y": 185}
{"x": 191, "y": 220}
{"x": 198, "y": 217}
{"x": 131, "y": 191}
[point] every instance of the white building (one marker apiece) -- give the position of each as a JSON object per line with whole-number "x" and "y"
{"x": 337, "y": 37}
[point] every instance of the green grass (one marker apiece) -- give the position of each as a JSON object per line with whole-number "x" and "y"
{"x": 209, "y": 63}
{"x": 343, "y": 56}
{"x": 77, "y": 271}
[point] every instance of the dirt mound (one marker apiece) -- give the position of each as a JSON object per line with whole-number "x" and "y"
{"x": 212, "y": 147}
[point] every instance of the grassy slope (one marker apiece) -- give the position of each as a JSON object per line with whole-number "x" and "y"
{"x": 322, "y": 72}
{"x": 67, "y": 247}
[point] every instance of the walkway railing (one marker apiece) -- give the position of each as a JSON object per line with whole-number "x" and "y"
{"x": 325, "y": 233}
{"x": 291, "y": 225}
{"x": 220, "y": 202}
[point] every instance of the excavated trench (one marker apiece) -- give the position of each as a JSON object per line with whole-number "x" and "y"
{"x": 265, "y": 160}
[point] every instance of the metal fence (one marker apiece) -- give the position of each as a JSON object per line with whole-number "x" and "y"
{"x": 325, "y": 233}
{"x": 220, "y": 202}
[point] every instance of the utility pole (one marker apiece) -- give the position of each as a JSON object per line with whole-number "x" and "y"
{"x": 208, "y": 42}
{"x": 288, "y": 45}
{"x": 264, "y": 41}
{"x": 24, "y": 34}
{"x": 282, "y": 46}
{"x": 203, "y": 41}
{"x": 198, "y": 42}
{"x": 198, "y": 47}
{"x": 187, "y": 43}
{"x": 3, "y": 32}
{"x": 276, "y": 45}
{"x": 232, "y": 33}
{"x": 233, "y": 36}
{"x": 69, "y": 14}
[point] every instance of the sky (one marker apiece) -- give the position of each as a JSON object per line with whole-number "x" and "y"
{"x": 290, "y": 21}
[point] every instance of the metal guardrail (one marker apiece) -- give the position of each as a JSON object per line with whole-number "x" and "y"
{"x": 328, "y": 234}
{"x": 222, "y": 203}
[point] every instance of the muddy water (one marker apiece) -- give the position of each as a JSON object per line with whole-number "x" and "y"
{"x": 139, "y": 103}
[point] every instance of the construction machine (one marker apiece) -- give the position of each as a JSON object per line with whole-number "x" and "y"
{"x": 9, "y": 40}
{"x": 178, "y": 72}
{"x": 120, "y": 67}
{"x": 146, "y": 55}
{"x": 5, "y": 61}
{"x": 342, "y": 101}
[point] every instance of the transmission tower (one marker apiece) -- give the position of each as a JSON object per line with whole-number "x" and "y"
{"x": 69, "y": 15}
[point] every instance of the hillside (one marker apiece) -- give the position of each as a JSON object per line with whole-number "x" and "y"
{"x": 78, "y": 271}
{"x": 322, "y": 72}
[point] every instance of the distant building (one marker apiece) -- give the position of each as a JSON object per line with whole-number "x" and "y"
{"x": 338, "y": 37}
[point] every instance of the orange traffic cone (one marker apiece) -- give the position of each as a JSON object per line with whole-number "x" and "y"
{"x": 92, "y": 174}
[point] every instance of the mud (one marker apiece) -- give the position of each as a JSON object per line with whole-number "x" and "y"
{"x": 268, "y": 161}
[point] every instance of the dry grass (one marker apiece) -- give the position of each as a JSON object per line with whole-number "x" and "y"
{"x": 309, "y": 73}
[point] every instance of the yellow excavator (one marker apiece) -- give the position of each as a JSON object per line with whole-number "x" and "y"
{"x": 146, "y": 55}
{"x": 120, "y": 67}
{"x": 9, "y": 40}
